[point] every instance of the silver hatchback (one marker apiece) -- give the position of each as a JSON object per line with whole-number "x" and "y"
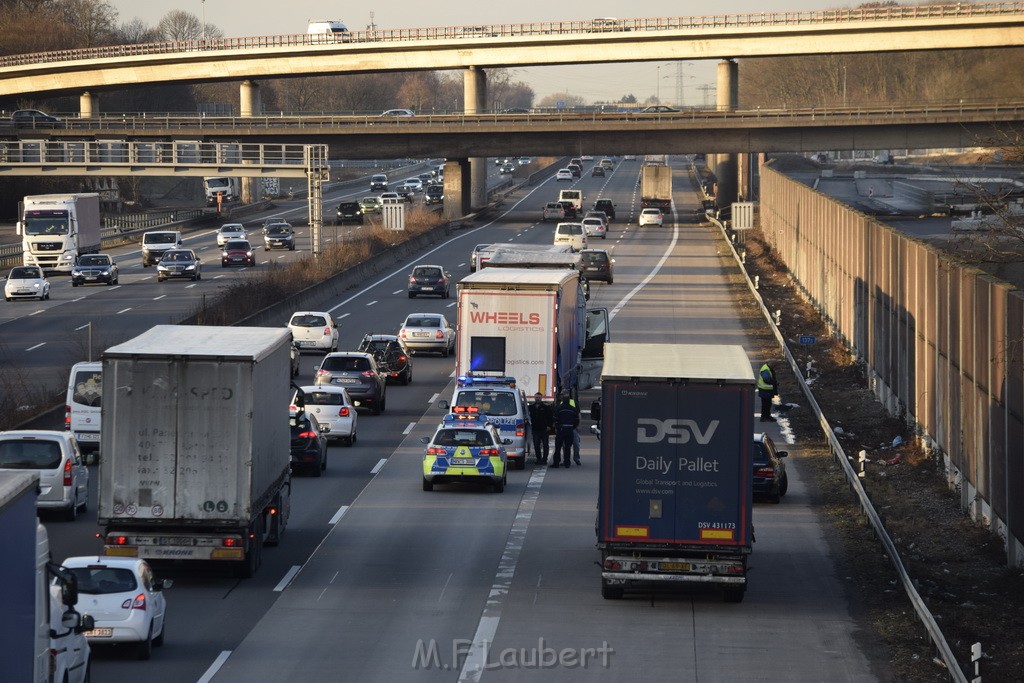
{"x": 63, "y": 476}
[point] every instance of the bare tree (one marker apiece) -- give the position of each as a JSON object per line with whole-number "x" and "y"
{"x": 94, "y": 22}
{"x": 180, "y": 25}
{"x": 137, "y": 31}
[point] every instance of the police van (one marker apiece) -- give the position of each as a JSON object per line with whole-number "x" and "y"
{"x": 505, "y": 406}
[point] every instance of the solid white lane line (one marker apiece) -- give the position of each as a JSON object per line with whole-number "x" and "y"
{"x": 650, "y": 276}
{"x": 380, "y": 464}
{"x": 412, "y": 426}
{"x": 221, "y": 660}
{"x": 473, "y": 667}
{"x": 338, "y": 515}
{"x": 287, "y": 578}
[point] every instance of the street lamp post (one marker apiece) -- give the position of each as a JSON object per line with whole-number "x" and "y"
{"x": 204, "y": 18}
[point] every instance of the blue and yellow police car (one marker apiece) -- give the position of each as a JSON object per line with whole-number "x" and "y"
{"x": 466, "y": 447}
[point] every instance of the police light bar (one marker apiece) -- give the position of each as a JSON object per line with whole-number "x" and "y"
{"x": 469, "y": 380}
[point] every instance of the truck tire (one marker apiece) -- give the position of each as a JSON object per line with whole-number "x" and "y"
{"x": 734, "y": 594}
{"x": 611, "y": 592}
{"x": 247, "y": 568}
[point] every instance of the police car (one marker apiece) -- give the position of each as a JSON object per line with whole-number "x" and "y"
{"x": 466, "y": 447}
{"x": 504, "y": 405}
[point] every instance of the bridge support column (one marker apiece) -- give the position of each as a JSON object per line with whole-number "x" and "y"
{"x": 475, "y": 97}
{"x": 725, "y": 164}
{"x": 456, "y": 188}
{"x": 88, "y": 105}
{"x": 249, "y": 104}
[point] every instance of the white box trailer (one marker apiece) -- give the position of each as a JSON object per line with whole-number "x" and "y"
{"x": 196, "y": 462}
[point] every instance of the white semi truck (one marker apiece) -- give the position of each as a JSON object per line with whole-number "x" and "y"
{"x": 58, "y": 228}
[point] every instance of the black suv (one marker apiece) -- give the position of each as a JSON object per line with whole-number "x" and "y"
{"x": 392, "y": 358}
{"x": 596, "y": 265}
{"x": 358, "y": 374}
{"x": 349, "y": 212}
{"x": 606, "y": 206}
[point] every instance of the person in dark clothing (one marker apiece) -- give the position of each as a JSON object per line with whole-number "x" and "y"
{"x": 766, "y": 389}
{"x": 541, "y": 421}
{"x": 567, "y": 419}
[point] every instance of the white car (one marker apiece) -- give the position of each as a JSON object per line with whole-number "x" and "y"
{"x": 413, "y": 184}
{"x": 230, "y": 231}
{"x": 397, "y": 112}
{"x": 651, "y": 217}
{"x": 26, "y": 282}
{"x": 55, "y": 456}
{"x": 595, "y": 227}
{"x": 314, "y": 331}
{"x": 124, "y": 598}
{"x": 564, "y": 174}
{"x": 427, "y": 332}
{"x": 391, "y": 198}
{"x": 331, "y": 407}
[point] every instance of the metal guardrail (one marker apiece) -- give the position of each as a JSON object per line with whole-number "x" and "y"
{"x": 923, "y": 613}
{"x": 588, "y": 27}
{"x": 193, "y": 153}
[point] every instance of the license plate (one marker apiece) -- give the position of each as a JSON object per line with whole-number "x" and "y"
{"x": 304, "y": 343}
{"x": 674, "y": 566}
{"x": 90, "y": 277}
{"x": 99, "y": 633}
{"x": 426, "y": 287}
{"x": 421, "y": 334}
{"x": 463, "y": 462}
{"x": 346, "y": 380}
{"x": 87, "y": 436}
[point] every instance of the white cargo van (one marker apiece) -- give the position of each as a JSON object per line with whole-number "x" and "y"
{"x": 82, "y": 405}
{"x": 329, "y": 27}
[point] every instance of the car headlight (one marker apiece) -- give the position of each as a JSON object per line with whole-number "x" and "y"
{"x": 75, "y": 272}
{"x": 190, "y": 267}
{"x": 248, "y": 253}
{"x": 106, "y": 271}
{"x": 36, "y": 285}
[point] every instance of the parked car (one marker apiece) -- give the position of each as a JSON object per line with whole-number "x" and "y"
{"x": 230, "y": 231}
{"x": 607, "y": 206}
{"x": 95, "y": 269}
{"x": 63, "y": 476}
{"x": 563, "y": 174}
{"x": 349, "y": 212}
{"x": 356, "y": 372}
{"x": 314, "y": 331}
{"x": 393, "y": 359}
{"x": 571, "y": 234}
{"x": 429, "y": 279}
{"x": 428, "y": 332}
{"x": 596, "y": 264}
{"x": 378, "y": 181}
{"x": 651, "y": 216}
{"x": 279, "y": 236}
{"x": 770, "y": 479}
{"x": 124, "y": 598}
{"x": 331, "y": 407}
{"x": 370, "y": 205}
{"x": 553, "y": 211}
{"x": 237, "y": 253}
{"x": 179, "y": 263}
{"x": 474, "y": 255}
{"x": 26, "y": 282}
{"x": 308, "y": 443}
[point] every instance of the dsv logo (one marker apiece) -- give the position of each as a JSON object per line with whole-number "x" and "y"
{"x": 650, "y": 430}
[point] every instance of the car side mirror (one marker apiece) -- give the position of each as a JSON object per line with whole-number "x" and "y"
{"x": 324, "y": 429}
{"x": 781, "y": 454}
{"x": 506, "y": 441}
{"x": 443, "y": 405}
{"x": 424, "y": 439}
{"x": 594, "y": 429}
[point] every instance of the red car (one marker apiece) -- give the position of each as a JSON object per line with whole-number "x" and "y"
{"x": 237, "y": 253}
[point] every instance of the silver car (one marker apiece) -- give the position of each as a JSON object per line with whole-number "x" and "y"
{"x": 63, "y": 476}
{"x": 428, "y": 332}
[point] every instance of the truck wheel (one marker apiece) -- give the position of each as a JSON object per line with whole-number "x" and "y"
{"x": 247, "y": 568}
{"x": 610, "y": 592}
{"x": 428, "y": 485}
{"x": 734, "y": 594}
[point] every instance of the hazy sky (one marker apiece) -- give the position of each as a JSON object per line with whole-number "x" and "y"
{"x": 238, "y": 18}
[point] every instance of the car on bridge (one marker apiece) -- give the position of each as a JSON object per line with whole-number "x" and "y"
{"x": 657, "y": 109}
{"x": 398, "y": 113}
{"x": 33, "y": 118}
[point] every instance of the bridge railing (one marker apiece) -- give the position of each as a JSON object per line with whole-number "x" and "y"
{"x": 177, "y": 152}
{"x": 590, "y": 26}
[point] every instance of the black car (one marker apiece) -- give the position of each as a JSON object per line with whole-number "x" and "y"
{"x": 433, "y": 194}
{"x": 33, "y": 118}
{"x": 393, "y": 360}
{"x": 358, "y": 374}
{"x": 770, "y": 478}
{"x": 349, "y": 212}
{"x": 94, "y": 269}
{"x": 279, "y": 236}
{"x": 607, "y": 206}
{"x": 570, "y": 208}
{"x": 426, "y": 279}
{"x": 179, "y": 263}
{"x": 596, "y": 264}
{"x": 378, "y": 182}
{"x": 597, "y": 172}
{"x": 576, "y": 170}
{"x": 308, "y": 445}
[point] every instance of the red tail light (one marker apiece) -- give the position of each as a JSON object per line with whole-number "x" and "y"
{"x": 402, "y": 359}
{"x": 488, "y": 451}
{"x": 138, "y": 602}
{"x": 67, "y": 417}
{"x": 520, "y": 429}
{"x": 401, "y": 333}
{"x": 434, "y": 450}
{"x": 343, "y": 412}
{"x": 117, "y": 540}
{"x": 412, "y": 280}
{"x": 327, "y": 332}
{"x": 322, "y": 373}
{"x": 768, "y": 472}
{"x": 612, "y": 565}
{"x": 366, "y": 373}
{"x": 440, "y": 334}
{"x": 307, "y": 435}
{"x": 67, "y": 474}
{"x": 230, "y": 542}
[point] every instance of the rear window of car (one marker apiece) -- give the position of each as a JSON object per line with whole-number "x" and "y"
{"x": 423, "y": 322}
{"x": 25, "y": 454}
{"x": 324, "y": 398}
{"x": 463, "y": 437}
{"x": 553, "y": 207}
{"x": 88, "y": 388}
{"x": 426, "y": 272}
{"x": 346, "y": 364}
{"x": 496, "y": 403}
{"x": 594, "y": 257}
{"x": 308, "y": 321}
{"x": 570, "y": 229}
{"x": 104, "y": 580}
{"x": 378, "y": 346}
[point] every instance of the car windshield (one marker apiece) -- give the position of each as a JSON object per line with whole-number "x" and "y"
{"x": 94, "y": 260}
{"x": 160, "y": 238}
{"x": 345, "y": 364}
{"x": 496, "y": 403}
{"x": 25, "y": 273}
{"x": 308, "y": 320}
{"x": 25, "y": 454}
{"x": 104, "y": 580}
{"x": 231, "y": 229}
{"x": 278, "y": 230}
{"x": 418, "y": 321}
{"x": 177, "y": 256}
{"x": 241, "y": 245}
{"x": 463, "y": 437}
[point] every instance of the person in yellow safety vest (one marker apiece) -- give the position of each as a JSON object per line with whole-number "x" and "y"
{"x": 766, "y": 389}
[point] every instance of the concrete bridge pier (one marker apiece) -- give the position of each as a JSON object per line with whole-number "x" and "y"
{"x": 88, "y": 105}
{"x": 475, "y": 102}
{"x": 456, "y": 188}
{"x": 249, "y": 104}
{"x": 725, "y": 164}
